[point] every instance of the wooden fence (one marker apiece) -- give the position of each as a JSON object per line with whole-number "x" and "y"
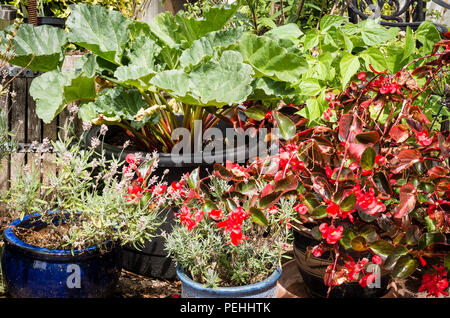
{"x": 28, "y": 128}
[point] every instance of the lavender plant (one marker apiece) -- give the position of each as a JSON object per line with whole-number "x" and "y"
{"x": 94, "y": 195}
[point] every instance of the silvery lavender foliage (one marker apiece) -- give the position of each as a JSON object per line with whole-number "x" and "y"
{"x": 8, "y": 142}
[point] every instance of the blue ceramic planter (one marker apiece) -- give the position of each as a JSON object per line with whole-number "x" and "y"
{"x": 31, "y": 271}
{"x": 265, "y": 289}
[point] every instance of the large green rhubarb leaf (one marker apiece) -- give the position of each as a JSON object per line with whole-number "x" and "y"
{"x": 207, "y": 47}
{"x": 142, "y": 66}
{"x": 115, "y": 104}
{"x": 176, "y": 31}
{"x": 271, "y": 60}
{"x": 265, "y": 88}
{"x": 53, "y": 90}
{"x": 42, "y": 45}
{"x": 105, "y": 33}
{"x": 213, "y": 83}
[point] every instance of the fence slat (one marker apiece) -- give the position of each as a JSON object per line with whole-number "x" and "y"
{"x": 4, "y": 164}
{"x": 18, "y": 122}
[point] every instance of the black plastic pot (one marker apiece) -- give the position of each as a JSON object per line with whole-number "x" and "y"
{"x": 56, "y": 22}
{"x": 313, "y": 270}
{"x": 152, "y": 260}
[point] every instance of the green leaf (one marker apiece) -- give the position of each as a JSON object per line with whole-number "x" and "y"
{"x": 368, "y": 137}
{"x": 313, "y": 109}
{"x": 258, "y": 216}
{"x": 348, "y": 202}
{"x": 257, "y": 112}
{"x": 207, "y": 47}
{"x": 431, "y": 227}
{"x": 428, "y": 239}
{"x": 312, "y": 39}
{"x": 310, "y": 87}
{"x": 410, "y": 44}
{"x": 349, "y": 65}
{"x": 179, "y": 31}
{"x": 369, "y": 233}
{"x": 405, "y": 266}
{"x": 375, "y": 57}
{"x": 289, "y": 31}
{"x": 271, "y": 60}
{"x": 116, "y": 104}
{"x": 382, "y": 182}
{"x": 42, "y": 45}
{"x": 208, "y": 206}
{"x": 447, "y": 262}
{"x": 382, "y": 248}
{"x": 194, "y": 179}
{"x": 142, "y": 66}
{"x": 368, "y": 158}
{"x": 412, "y": 235}
{"x": 105, "y": 33}
{"x": 270, "y": 199}
{"x": 286, "y": 126}
{"x": 373, "y": 33}
{"x": 53, "y": 90}
{"x": 428, "y": 35}
{"x": 265, "y": 88}
{"x": 392, "y": 259}
{"x": 319, "y": 212}
{"x": 248, "y": 188}
{"x": 359, "y": 244}
{"x": 315, "y": 232}
{"x": 329, "y": 21}
{"x": 213, "y": 83}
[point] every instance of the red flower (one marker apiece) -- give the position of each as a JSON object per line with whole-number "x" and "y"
{"x": 301, "y": 208}
{"x": 329, "y": 96}
{"x": 376, "y": 260}
{"x": 435, "y": 283}
{"x": 330, "y": 233}
{"x": 367, "y": 202}
{"x": 423, "y": 139}
{"x": 159, "y": 190}
{"x": 327, "y": 114}
{"x": 233, "y": 224}
{"x": 130, "y": 158}
{"x": 367, "y": 280}
{"x": 273, "y": 209}
{"x": 237, "y": 238}
{"x": 134, "y": 193}
{"x": 237, "y": 170}
{"x": 216, "y": 214}
{"x": 289, "y": 160}
{"x": 317, "y": 250}
{"x": 329, "y": 172}
{"x": 362, "y": 76}
{"x": 380, "y": 160}
{"x": 186, "y": 217}
{"x": 268, "y": 115}
{"x": 422, "y": 261}
{"x": 335, "y": 211}
{"x": 354, "y": 269}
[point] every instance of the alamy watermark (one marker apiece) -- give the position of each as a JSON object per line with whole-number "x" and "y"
{"x": 74, "y": 278}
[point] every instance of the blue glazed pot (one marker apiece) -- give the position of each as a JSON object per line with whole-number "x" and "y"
{"x": 265, "y": 289}
{"x": 30, "y": 271}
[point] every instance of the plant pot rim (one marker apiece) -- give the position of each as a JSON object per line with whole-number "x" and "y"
{"x": 12, "y": 240}
{"x": 224, "y": 291}
{"x": 166, "y": 159}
